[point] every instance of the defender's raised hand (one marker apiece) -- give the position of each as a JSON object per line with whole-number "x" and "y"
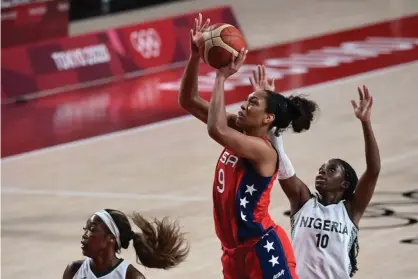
{"x": 363, "y": 108}
{"x": 259, "y": 80}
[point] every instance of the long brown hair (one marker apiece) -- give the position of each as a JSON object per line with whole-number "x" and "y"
{"x": 160, "y": 244}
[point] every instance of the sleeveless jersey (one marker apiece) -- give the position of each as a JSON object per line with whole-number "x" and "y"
{"x": 84, "y": 272}
{"x": 322, "y": 237}
{"x": 241, "y": 198}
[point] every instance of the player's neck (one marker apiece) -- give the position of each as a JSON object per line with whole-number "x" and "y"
{"x": 330, "y": 198}
{"x": 104, "y": 262}
{"x": 255, "y": 133}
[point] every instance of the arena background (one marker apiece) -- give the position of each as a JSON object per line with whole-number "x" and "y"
{"x": 105, "y": 131}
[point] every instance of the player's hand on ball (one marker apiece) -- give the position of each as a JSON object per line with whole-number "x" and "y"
{"x": 196, "y": 34}
{"x": 259, "y": 80}
{"x": 363, "y": 108}
{"x": 235, "y": 65}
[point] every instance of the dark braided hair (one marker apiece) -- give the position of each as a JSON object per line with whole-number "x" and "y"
{"x": 351, "y": 177}
{"x": 295, "y": 110}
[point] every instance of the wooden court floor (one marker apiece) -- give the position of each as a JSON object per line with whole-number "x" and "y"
{"x": 167, "y": 169}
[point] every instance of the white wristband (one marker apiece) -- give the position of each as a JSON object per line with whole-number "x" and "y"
{"x": 286, "y": 169}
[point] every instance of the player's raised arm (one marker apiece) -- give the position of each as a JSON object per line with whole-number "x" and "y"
{"x": 295, "y": 189}
{"x": 189, "y": 97}
{"x": 367, "y": 182}
{"x": 251, "y": 147}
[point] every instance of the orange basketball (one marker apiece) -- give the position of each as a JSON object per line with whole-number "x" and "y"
{"x": 219, "y": 42}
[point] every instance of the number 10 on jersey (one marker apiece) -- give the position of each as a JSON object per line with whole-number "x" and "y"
{"x": 322, "y": 240}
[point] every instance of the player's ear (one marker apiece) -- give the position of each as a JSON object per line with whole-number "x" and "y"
{"x": 345, "y": 185}
{"x": 269, "y": 118}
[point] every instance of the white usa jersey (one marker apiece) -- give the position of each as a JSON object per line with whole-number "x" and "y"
{"x": 84, "y": 272}
{"x": 322, "y": 237}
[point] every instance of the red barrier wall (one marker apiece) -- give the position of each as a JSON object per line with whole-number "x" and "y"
{"x": 98, "y": 57}
{"x": 34, "y": 22}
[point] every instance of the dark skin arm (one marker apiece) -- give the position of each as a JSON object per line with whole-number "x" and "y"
{"x": 72, "y": 269}
{"x": 296, "y": 191}
{"x": 133, "y": 273}
{"x": 189, "y": 98}
{"x": 367, "y": 182}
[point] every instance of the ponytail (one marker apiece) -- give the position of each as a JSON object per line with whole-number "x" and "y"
{"x": 160, "y": 243}
{"x": 302, "y": 113}
{"x": 295, "y": 110}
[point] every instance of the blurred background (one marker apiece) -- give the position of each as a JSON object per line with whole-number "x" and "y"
{"x": 92, "y": 8}
{"x": 90, "y": 119}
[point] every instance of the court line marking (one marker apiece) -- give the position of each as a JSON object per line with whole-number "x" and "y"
{"x": 105, "y": 195}
{"x": 135, "y": 196}
{"x": 155, "y": 125}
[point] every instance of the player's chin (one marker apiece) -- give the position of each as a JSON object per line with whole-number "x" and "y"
{"x": 320, "y": 187}
{"x": 85, "y": 251}
{"x": 240, "y": 122}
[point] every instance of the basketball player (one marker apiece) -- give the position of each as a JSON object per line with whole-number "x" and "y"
{"x": 159, "y": 245}
{"x": 254, "y": 247}
{"x": 325, "y": 225}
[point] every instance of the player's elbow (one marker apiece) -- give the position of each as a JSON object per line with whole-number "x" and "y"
{"x": 182, "y": 101}
{"x": 215, "y": 131}
{"x": 186, "y": 103}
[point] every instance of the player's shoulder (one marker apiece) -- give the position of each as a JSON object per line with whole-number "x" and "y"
{"x": 72, "y": 269}
{"x": 307, "y": 206}
{"x": 133, "y": 273}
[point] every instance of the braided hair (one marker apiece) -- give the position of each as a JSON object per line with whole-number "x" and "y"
{"x": 351, "y": 177}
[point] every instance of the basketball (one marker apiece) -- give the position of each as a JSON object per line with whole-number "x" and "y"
{"x": 219, "y": 42}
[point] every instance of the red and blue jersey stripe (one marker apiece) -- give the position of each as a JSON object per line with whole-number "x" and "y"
{"x": 241, "y": 199}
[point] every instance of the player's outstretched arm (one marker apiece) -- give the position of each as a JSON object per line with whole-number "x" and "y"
{"x": 189, "y": 97}
{"x": 295, "y": 189}
{"x": 367, "y": 182}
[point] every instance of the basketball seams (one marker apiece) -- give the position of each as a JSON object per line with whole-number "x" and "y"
{"x": 221, "y": 41}
{"x": 208, "y": 45}
{"x": 224, "y": 36}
